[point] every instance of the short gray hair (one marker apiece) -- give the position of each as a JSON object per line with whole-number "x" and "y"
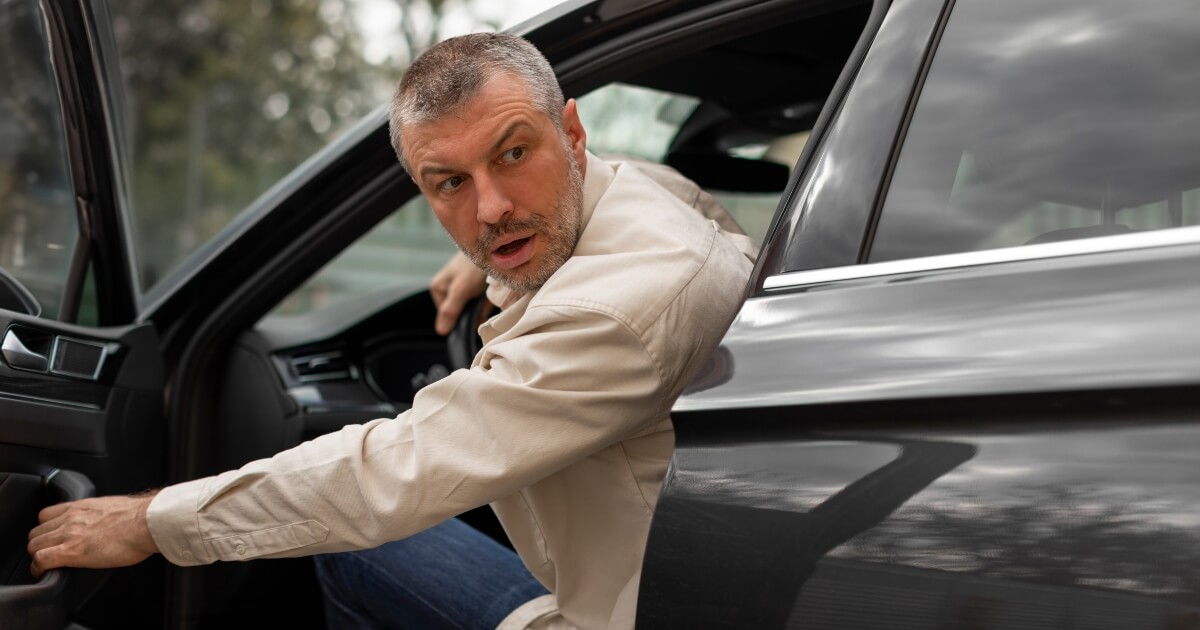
{"x": 448, "y": 75}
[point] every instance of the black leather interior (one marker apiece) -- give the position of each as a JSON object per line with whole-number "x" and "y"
{"x": 21, "y": 497}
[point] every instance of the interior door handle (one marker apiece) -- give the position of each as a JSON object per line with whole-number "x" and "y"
{"x": 18, "y": 355}
{"x": 48, "y": 602}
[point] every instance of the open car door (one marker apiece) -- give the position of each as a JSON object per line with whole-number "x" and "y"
{"x": 81, "y": 381}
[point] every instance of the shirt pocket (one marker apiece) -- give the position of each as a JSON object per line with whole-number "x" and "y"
{"x": 523, "y": 529}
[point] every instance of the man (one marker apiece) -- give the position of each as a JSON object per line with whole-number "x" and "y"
{"x": 613, "y": 292}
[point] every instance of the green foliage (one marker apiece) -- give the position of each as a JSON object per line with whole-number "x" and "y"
{"x": 224, "y": 98}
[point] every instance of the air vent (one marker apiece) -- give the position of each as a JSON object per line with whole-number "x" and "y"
{"x": 326, "y": 366}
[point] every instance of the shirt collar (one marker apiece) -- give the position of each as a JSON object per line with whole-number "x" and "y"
{"x": 598, "y": 178}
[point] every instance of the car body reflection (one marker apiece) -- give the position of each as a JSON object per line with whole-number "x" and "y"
{"x": 1004, "y": 528}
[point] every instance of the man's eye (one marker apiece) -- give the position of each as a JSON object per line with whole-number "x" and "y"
{"x": 450, "y": 183}
{"x": 512, "y": 155}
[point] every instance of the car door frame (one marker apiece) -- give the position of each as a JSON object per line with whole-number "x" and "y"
{"x": 120, "y": 341}
{"x": 100, "y": 417}
{"x": 86, "y": 100}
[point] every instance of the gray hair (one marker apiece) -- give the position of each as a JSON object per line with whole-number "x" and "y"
{"x": 448, "y": 75}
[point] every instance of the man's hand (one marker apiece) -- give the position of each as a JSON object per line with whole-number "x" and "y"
{"x": 93, "y": 534}
{"x": 452, "y": 287}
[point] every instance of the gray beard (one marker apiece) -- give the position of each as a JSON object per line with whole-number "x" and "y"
{"x": 560, "y": 237}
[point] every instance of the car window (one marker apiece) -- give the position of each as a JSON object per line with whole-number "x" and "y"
{"x": 38, "y": 224}
{"x": 1049, "y": 121}
{"x": 398, "y": 256}
{"x": 222, "y": 99}
{"x": 633, "y": 121}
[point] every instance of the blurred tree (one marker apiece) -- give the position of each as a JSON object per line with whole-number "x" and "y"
{"x": 226, "y": 97}
{"x": 420, "y": 26}
{"x": 223, "y": 99}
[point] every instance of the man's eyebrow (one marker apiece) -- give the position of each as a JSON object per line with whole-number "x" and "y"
{"x": 433, "y": 169}
{"x": 509, "y": 132}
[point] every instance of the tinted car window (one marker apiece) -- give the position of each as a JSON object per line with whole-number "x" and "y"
{"x": 1047, "y": 121}
{"x": 399, "y": 256}
{"x": 223, "y": 98}
{"x": 37, "y": 211}
{"x": 631, "y": 121}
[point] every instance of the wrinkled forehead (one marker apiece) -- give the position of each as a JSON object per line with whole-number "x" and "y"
{"x": 474, "y": 113}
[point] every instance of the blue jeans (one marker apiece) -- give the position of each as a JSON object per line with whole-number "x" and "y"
{"x": 450, "y": 576}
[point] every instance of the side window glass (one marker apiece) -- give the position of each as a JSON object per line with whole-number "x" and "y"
{"x": 224, "y": 98}
{"x": 38, "y": 224}
{"x": 628, "y": 121}
{"x": 755, "y": 209}
{"x": 399, "y": 256}
{"x": 1043, "y": 122}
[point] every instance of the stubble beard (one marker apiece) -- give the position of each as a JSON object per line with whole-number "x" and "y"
{"x": 560, "y": 236}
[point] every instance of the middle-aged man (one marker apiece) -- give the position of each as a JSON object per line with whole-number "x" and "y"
{"x": 613, "y": 292}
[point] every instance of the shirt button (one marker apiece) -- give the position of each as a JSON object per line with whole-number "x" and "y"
{"x": 187, "y": 555}
{"x": 240, "y": 549}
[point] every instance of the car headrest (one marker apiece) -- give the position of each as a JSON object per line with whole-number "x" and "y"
{"x": 715, "y": 171}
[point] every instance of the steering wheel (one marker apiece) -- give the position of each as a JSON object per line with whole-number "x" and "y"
{"x": 463, "y": 342}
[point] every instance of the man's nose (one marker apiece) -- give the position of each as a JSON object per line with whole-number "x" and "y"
{"x": 493, "y": 202}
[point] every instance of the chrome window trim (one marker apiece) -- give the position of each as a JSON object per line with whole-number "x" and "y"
{"x": 1165, "y": 237}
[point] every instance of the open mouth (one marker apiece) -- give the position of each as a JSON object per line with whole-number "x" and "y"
{"x": 509, "y": 248}
{"x": 514, "y": 253}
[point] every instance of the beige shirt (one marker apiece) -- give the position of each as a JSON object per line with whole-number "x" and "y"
{"x": 561, "y": 423}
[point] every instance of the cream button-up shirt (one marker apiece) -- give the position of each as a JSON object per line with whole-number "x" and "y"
{"x": 561, "y": 423}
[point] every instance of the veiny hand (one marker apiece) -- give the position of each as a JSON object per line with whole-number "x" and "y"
{"x": 93, "y": 534}
{"x": 452, "y": 287}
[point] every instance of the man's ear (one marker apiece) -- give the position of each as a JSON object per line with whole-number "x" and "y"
{"x": 575, "y": 132}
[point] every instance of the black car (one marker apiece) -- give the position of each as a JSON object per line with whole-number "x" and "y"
{"x": 961, "y": 391}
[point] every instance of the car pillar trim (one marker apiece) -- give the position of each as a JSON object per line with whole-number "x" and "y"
{"x": 1119, "y": 242}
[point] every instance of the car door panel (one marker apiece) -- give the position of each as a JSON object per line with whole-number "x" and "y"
{"x": 98, "y": 404}
{"x": 26, "y": 603}
{"x": 22, "y": 497}
{"x": 1072, "y": 495}
{"x": 1079, "y": 518}
{"x": 80, "y": 409}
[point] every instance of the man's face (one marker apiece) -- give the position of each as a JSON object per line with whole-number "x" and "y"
{"x": 503, "y": 181}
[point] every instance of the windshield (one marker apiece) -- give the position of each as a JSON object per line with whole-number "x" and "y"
{"x": 222, "y": 98}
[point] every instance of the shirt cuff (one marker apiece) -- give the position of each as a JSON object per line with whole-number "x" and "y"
{"x": 174, "y": 522}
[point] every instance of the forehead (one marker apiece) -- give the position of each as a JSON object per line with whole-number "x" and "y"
{"x": 501, "y": 102}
